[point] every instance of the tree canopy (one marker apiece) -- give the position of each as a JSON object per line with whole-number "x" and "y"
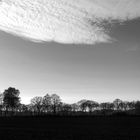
{"x": 11, "y": 98}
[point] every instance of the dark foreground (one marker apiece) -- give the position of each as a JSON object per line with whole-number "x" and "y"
{"x": 70, "y": 128}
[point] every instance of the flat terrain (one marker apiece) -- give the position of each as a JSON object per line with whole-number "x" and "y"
{"x": 70, "y": 128}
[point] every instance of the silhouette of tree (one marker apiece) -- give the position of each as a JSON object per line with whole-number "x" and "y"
{"x": 46, "y": 103}
{"x": 124, "y": 105}
{"x": 131, "y": 105}
{"x": 137, "y": 108}
{"x": 74, "y": 107}
{"x": 10, "y": 101}
{"x": 110, "y": 106}
{"x": 11, "y": 98}
{"x": 1, "y": 103}
{"x": 55, "y": 102}
{"x": 92, "y": 105}
{"x": 117, "y": 104}
{"x": 82, "y": 105}
{"x": 31, "y": 109}
{"x": 66, "y": 108}
{"x": 107, "y": 106}
{"x": 87, "y": 105}
{"x": 22, "y": 108}
{"x": 104, "y": 106}
{"x": 36, "y": 103}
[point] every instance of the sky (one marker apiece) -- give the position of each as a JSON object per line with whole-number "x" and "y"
{"x": 78, "y": 49}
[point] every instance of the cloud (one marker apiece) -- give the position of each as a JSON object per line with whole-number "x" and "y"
{"x": 65, "y": 21}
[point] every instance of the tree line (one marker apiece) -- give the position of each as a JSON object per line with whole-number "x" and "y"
{"x": 52, "y": 105}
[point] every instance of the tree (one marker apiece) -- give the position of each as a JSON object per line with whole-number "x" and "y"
{"x": 117, "y": 104}
{"x": 36, "y": 102}
{"x": 66, "y": 108}
{"x": 104, "y": 106}
{"x": 30, "y": 108}
{"x": 107, "y": 106}
{"x": 74, "y": 107}
{"x": 11, "y": 98}
{"x": 82, "y": 105}
{"x": 92, "y": 105}
{"x": 1, "y": 103}
{"x": 46, "y": 103}
{"x": 137, "y": 108}
{"x": 131, "y": 105}
{"x": 110, "y": 106}
{"x": 124, "y": 105}
{"x": 22, "y": 108}
{"x": 55, "y": 101}
{"x": 1, "y": 98}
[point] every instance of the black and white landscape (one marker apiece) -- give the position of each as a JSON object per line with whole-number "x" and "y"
{"x": 70, "y": 69}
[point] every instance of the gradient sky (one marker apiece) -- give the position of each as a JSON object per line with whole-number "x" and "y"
{"x": 78, "y": 49}
{"x": 100, "y": 72}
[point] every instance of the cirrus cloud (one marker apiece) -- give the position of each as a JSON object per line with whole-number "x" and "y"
{"x": 65, "y": 21}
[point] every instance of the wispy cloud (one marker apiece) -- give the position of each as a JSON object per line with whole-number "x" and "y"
{"x": 65, "y": 21}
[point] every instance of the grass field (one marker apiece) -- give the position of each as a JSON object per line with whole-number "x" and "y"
{"x": 70, "y": 128}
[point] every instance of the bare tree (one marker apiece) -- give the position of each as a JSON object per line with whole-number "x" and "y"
{"x": 124, "y": 105}
{"x": 131, "y": 105}
{"x": 55, "y": 102}
{"x": 88, "y": 105}
{"x": 46, "y": 103}
{"x": 110, "y": 106}
{"x": 22, "y": 108}
{"x": 36, "y": 102}
{"x": 74, "y": 107}
{"x": 104, "y": 106}
{"x": 66, "y": 108}
{"x": 117, "y": 104}
{"x": 107, "y": 106}
{"x": 92, "y": 105}
{"x": 82, "y": 105}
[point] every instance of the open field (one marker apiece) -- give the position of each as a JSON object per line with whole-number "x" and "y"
{"x": 70, "y": 128}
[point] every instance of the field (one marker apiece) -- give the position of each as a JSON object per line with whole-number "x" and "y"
{"x": 70, "y": 128}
